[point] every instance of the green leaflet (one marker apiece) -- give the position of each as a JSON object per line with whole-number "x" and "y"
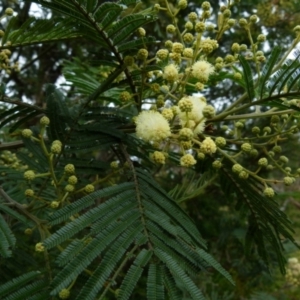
{"x": 248, "y": 78}
{"x": 155, "y": 286}
{"x": 134, "y": 273}
{"x": 7, "y": 238}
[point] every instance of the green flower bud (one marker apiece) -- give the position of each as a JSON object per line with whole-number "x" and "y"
{"x": 288, "y": 180}
{"x": 89, "y": 188}
{"x": 44, "y": 121}
{"x": 29, "y": 175}
{"x": 69, "y": 168}
{"x": 261, "y": 38}
{"x": 69, "y": 188}
{"x": 171, "y": 29}
{"x": 64, "y": 294}
{"x": 217, "y": 164}
{"x": 269, "y": 192}
{"x": 29, "y": 193}
{"x": 72, "y": 180}
{"x": 267, "y": 129}
{"x": 263, "y": 162}
{"x": 26, "y": 133}
{"x": 237, "y": 168}
{"x": 246, "y": 147}
{"x": 277, "y": 149}
{"x": 243, "y": 175}
{"x": 209, "y": 111}
{"x": 220, "y": 142}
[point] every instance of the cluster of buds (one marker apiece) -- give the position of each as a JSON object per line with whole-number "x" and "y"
{"x": 293, "y": 272}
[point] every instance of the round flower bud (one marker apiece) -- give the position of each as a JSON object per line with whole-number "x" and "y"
{"x": 210, "y": 27}
{"x": 239, "y": 125}
{"x": 156, "y": 7}
{"x": 288, "y": 169}
{"x": 158, "y": 157}
{"x": 200, "y": 27}
{"x": 39, "y": 247}
{"x": 69, "y": 168}
{"x": 208, "y": 146}
{"x": 235, "y": 47}
{"x": 284, "y": 159}
{"x": 9, "y": 11}
{"x": 114, "y": 165}
{"x": 182, "y": 4}
{"x": 253, "y": 153}
{"x": 237, "y": 76}
{"x": 261, "y": 38}
{"x": 187, "y": 160}
{"x": 288, "y": 180}
{"x": 69, "y": 188}
{"x": 217, "y": 164}
{"x": 188, "y": 52}
{"x": 188, "y": 38}
{"x": 243, "y": 47}
{"x": 227, "y": 13}
{"x": 243, "y": 175}
{"x": 256, "y": 130}
{"x": 246, "y": 147}
{"x": 271, "y": 153}
{"x": 186, "y": 145}
{"x": 237, "y": 168}
{"x": 229, "y": 58}
{"x": 224, "y": 127}
{"x": 270, "y": 167}
{"x": 160, "y": 102}
{"x": 186, "y": 134}
{"x": 125, "y": 96}
{"x": 177, "y": 47}
{"x": 199, "y": 86}
{"x": 26, "y": 133}
{"x": 253, "y": 18}
{"x": 89, "y": 188}
{"x": 29, "y": 193}
{"x": 263, "y": 162}
{"x": 277, "y": 149}
{"x": 57, "y": 142}
{"x": 170, "y": 73}
{"x": 28, "y": 231}
{"x": 142, "y": 54}
{"x": 189, "y": 26}
{"x": 141, "y": 31}
{"x": 171, "y": 28}
{"x": 267, "y": 129}
{"x": 200, "y": 155}
{"x": 231, "y": 22}
{"x": 243, "y": 22}
{"x": 72, "y": 180}
{"x": 192, "y": 16}
{"x": 167, "y": 113}
{"x": 275, "y": 119}
{"x": 220, "y": 142}
{"x": 54, "y": 204}
{"x": 128, "y": 60}
{"x": 55, "y": 148}
{"x": 209, "y": 111}
{"x": 269, "y": 192}
{"x": 185, "y": 105}
{"x": 44, "y": 121}
{"x": 162, "y": 54}
{"x": 29, "y": 175}
{"x": 64, "y": 294}
{"x": 205, "y": 5}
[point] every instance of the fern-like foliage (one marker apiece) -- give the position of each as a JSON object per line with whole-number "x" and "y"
{"x": 138, "y": 225}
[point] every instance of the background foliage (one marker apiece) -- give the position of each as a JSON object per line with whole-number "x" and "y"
{"x": 132, "y": 229}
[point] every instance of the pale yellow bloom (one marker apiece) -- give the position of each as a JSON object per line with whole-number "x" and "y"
{"x": 187, "y": 160}
{"x": 208, "y": 146}
{"x": 194, "y": 119}
{"x": 152, "y": 126}
{"x": 171, "y": 73}
{"x": 202, "y": 70}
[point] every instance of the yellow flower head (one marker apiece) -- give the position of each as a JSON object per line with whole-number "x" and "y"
{"x": 208, "y": 146}
{"x": 171, "y": 73}
{"x": 195, "y": 116}
{"x": 152, "y": 126}
{"x": 202, "y": 70}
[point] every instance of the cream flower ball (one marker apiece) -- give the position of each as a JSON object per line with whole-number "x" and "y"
{"x": 152, "y": 126}
{"x": 194, "y": 119}
{"x": 202, "y": 70}
{"x": 171, "y": 73}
